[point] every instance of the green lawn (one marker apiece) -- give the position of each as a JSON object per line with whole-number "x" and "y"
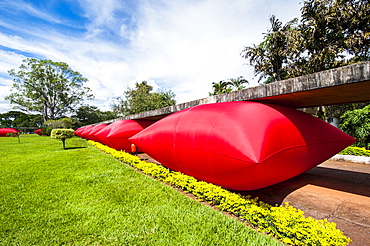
{"x": 81, "y": 196}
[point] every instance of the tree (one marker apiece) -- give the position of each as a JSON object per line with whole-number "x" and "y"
{"x": 228, "y": 85}
{"x": 238, "y": 83}
{"x": 357, "y": 124}
{"x": 62, "y": 134}
{"x": 330, "y": 34}
{"x": 50, "y": 88}
{"x": 270, "y": 56}
{"x": 17, "y": 119}
{"x": 336, "y": 111}
{"x": 142, "y": 99}
{"x": 220, "y": 88}
{"x": 321, "y": 41}
{"x": 14, "y": 134}
{"x": 86, "y": 115}
{"x": 355, "y": 19}
{"x": 62, "y": 123}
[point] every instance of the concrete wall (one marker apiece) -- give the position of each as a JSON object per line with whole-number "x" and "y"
{"x": 347, "y": 84}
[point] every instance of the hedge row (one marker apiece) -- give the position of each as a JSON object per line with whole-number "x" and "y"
{"x": 285, "y": 222}
{"x": 355, "y": 151}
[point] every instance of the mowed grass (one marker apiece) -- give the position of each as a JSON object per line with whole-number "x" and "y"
{"x": 81, "y": 196}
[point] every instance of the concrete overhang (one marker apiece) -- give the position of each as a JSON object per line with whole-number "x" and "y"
{"x": 349, "y": 84}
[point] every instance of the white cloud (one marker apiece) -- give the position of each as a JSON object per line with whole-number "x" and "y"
{"x": 177, "y": 44}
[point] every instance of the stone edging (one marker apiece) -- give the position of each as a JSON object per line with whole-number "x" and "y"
{"x": 351, "y": 158}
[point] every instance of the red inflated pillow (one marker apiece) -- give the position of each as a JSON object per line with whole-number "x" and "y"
{"x": 5, "y": 131}
{"x": 40, "y": 132}
{"x": 95, "y": 130}
{"x": 86, "y": 132}
{"x": 241, "y": 145}
{"x": 78, "y": 131}
{"x": 101, "y": 136}
{"x": 122, "y": 130}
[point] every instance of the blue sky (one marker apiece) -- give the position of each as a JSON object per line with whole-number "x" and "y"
{"x": 182, "y": 45}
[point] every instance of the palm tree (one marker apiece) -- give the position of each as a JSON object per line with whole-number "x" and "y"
{"x": 238, "y": 83}
{"x": 270, "y": 56}
{"x": 220, "y": 88}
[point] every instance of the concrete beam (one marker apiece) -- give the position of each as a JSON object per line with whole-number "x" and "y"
{"x": 349, "y": 84}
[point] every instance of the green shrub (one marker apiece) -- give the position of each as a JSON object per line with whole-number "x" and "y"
{"x": 57, "y": 124}
{"x": 357, "y": 124}
{"x": 62, "y": 134}
{"x": 283, "y": 222}
{"x": 355, "y": 151}
{"x": 14, "y": 134}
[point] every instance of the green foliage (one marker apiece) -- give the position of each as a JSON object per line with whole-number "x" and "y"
{"x": 283, "y": 222}
{"x": 142, "y": 99}
{"x": 14, "y": 134}
{"x": 336, "y": 111}
{"x": 220, "y": 88}
{"x": 270, "y": 57}
{"x": 51, "y": 197}
{"x": 87, "y": 115}
{"x": 357, "y": 124}
{"x": 355, "y": 151}
{"x": 329, "y": 34}
{"x": 15, "y": 119}
{"x": 228, "y": 86}
{"x": 62, "y": 134}
{"x": 57, "y": 124}
{"x": 50, "y": 88}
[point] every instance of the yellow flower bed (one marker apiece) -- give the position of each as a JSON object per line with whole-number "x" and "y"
{"x": 284, "y": 222}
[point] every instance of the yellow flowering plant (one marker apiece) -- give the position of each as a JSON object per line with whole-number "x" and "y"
{"x": 284, "y": 222}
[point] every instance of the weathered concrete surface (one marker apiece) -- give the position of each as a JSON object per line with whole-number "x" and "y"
{"x": 347, "y": 84}
{"x": 351, "y": 158}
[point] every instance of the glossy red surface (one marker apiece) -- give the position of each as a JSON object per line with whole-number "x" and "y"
{"x": 5, "y": 131}
{"x": 122, "y": 130}
{"x": 241, "y": 145}
{"x": 95, "y": 130}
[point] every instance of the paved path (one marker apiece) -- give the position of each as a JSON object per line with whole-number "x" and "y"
{"x": 339, "y": 191}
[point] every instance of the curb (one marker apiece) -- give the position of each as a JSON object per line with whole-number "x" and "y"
{"x": 351, "y": 158}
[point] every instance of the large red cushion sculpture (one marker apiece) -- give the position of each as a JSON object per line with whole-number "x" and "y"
{"x": 122, "y": 130}
{"x": 5, "y": 131}
{"x": 241, "y": 145}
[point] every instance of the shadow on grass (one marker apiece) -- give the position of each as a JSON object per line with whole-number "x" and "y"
{"x": 67, "y": 148}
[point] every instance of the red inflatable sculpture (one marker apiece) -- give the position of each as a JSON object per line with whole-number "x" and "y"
{"x": 5, "y": 131}
{"x": 241, "y": 145}
{"x": 86, "y": 132}
{"x": 95, "y": 130}
{"x": 79, "y": 131}
{"x": 101, "y": 136}
{"x": 40, "y": 132}
{"x": 122, "y": 130}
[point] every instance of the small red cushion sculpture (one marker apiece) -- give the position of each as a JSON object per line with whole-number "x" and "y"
{"x": 101, "y": 136}
{"x": 5, "y": 131}
{"x": 122, "y": 130}
{"x": 79, "y": 131}
{"x": 95, "y": 130}
{"x": 86, "y": 133}
{"x": 40, "y": 132}
{"x": 241, "y": 145}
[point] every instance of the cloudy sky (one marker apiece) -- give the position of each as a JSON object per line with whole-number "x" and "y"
{"x": 182, "y": 45}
